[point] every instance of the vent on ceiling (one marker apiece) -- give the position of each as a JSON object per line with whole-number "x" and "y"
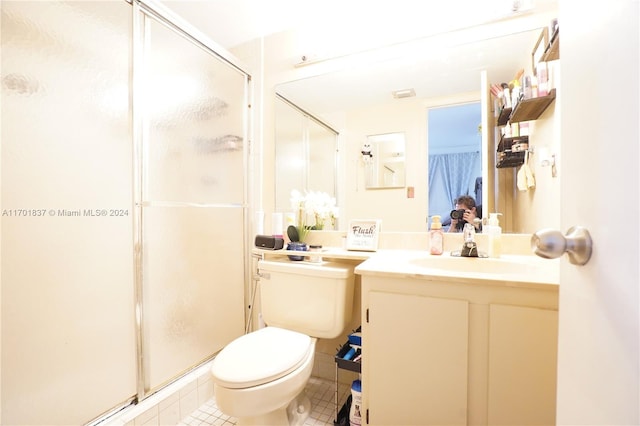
{"x": 405, "y": 93}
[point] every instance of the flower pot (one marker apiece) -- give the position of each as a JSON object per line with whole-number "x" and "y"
{"x": 297, "y": 246}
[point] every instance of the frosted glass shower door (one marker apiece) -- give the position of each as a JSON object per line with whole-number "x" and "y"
{"x": 193, "y": 204}
{"x": 68, "y": 330}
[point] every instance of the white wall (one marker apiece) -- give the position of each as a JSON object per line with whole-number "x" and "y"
{"x": 398, "y": 211}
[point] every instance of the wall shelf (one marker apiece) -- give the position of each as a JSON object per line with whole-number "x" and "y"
{"x": 503, "y": 118}
{"x": 510, "y": 159}
{"x": 506, "y": 157}
{"x": 342, "y": 415}
{"x": 553, "y": 49}
{"x": 526, "y": 110}
{"x": 531, "y": 109}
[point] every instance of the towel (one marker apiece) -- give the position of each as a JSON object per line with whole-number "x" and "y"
{"x": 525, "y": 179}
{"x": 521, "y": 179}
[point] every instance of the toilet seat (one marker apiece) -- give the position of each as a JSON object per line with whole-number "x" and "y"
{"x": 260, "y": 357}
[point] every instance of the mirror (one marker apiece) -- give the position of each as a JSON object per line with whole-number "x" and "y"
{"x": 358, "y": 98}
{"x": 305, "y": 154}
{"x": 383, "y": 156}
{"x": 455, "y": 157}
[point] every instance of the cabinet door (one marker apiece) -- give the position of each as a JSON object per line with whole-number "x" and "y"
{"x": 522, "y": 365}
{"x": 416, "y": 354}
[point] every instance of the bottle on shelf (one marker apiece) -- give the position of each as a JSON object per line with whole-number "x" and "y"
{"x": 355, "y": 415}
{"x": 436, "y": 236}
{"x": 494, "y": 233}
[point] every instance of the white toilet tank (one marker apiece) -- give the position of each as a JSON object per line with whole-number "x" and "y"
{"x": 313, "y": 299}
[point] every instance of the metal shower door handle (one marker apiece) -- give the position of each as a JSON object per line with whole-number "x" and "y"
{"x": 550, "y": 244}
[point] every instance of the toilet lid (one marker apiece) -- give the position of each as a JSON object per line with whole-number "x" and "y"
{"x": 260, "y": 357}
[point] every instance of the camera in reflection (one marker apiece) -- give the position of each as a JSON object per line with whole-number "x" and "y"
{"x": 458, "y": 215}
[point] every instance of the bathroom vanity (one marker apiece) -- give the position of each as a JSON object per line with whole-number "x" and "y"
{"x": 449, "y": 340}
{"x": 458, "y": 340}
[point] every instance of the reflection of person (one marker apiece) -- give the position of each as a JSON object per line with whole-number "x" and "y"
{"x": 468, "y": 204}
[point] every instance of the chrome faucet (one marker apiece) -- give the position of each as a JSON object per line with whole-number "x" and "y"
{"x": 469, "y": 247}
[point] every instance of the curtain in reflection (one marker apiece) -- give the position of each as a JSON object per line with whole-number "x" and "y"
{"x": 451, "y": 175}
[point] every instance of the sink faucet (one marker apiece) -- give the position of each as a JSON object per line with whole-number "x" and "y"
{"x": 469, "y": 247}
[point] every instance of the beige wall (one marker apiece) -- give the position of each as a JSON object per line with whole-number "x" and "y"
{"x": 398, "y": 211}
{"x": 540, "y": 207}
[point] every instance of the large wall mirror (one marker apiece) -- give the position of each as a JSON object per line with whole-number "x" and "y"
{"x": 306, "y": 154}
{"x": 383, "y": 156}
{"x": 441, "y": 74}
{"x": 455, "y": 156}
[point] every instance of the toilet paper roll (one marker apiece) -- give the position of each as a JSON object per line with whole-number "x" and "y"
{"x": 276, "y": 224}
{"x": 259, "y": 223}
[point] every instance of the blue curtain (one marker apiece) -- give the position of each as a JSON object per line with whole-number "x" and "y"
{"x": 450, "y": 175}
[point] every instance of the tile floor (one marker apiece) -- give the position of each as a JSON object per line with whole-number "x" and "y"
{"x": 320, "y": 391}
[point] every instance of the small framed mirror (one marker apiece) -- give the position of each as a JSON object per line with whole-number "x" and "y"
{"x": 384, "y": 159}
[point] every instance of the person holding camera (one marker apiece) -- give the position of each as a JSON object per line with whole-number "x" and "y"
{"x": 465, "y": 212}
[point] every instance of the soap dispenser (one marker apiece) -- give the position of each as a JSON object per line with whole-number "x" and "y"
{"x": 494, "y": 233}
{"x": 436, "y": 236}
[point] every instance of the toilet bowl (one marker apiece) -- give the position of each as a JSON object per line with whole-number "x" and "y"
{"x": 260, "y": 377}
{"x": 267, "y": 389}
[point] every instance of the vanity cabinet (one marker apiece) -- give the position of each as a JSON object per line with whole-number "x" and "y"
{"x": 450, "y": 352}
{"x": 522, "y": 365}
{"x": 416, "y": 352}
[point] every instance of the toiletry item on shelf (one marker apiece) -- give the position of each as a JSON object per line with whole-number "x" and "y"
{"x": 316, "y": 256}
{"x": 515, "y": 130}
{"x": 355, "y": 415}
{"x": 515, "y": 95}
{"x": 526, "y": 87}
{"x": 276, "y": 224}
{"x": 355, "y": 338}
{"x": 355, "y": 353}
{"x": 494, "y": 233}
{"x": 541, "y": 73}
{"x": 259, "y": 222}
{"x": 550, "y": 76}
{"x": 507, "y": 95}
{"x": 350, "y": 354}
{"x": 436, "y": 236}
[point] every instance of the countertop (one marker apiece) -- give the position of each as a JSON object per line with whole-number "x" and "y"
{"x": 512, "y": 270}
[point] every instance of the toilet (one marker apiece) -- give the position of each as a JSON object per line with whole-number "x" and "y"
{"x": 260, "y": 377}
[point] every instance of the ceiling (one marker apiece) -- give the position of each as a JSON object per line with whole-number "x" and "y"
{"x": 232, "y": 22}
{"x": 454, "y": 70}
{"x": 342, "y": 28}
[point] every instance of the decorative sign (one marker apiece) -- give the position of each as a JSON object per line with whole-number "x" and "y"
{"x": 363, "y": 235}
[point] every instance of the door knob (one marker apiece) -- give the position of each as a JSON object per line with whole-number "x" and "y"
{"x": 550, "y": 244}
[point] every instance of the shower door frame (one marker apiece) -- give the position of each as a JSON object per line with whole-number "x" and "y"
{"x": 151, "y": 9}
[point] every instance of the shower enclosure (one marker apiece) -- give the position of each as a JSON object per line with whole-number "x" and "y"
{"x": 124, "y": 160}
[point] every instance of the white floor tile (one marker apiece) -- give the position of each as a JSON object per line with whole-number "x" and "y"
{"x": 320, "y": 391}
